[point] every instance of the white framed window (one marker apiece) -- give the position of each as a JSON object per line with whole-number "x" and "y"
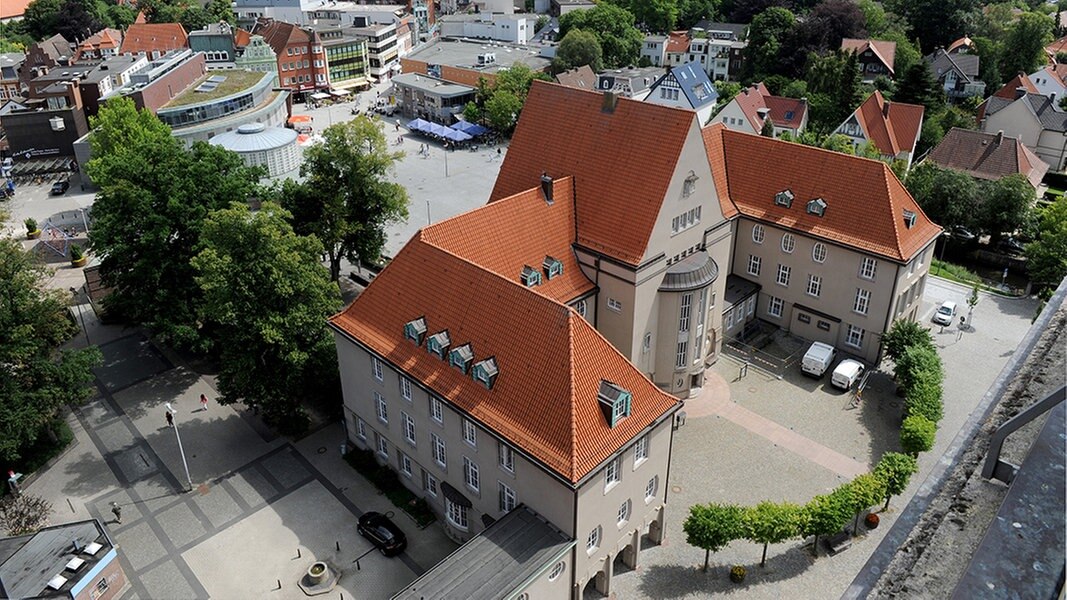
{"x": 854, "y": 337}
{"x": 436, "y": 411}
{"x": 862, "y": 301}
{"x": 646, "y": 343}
{"x": 471, "y": 476}
{"x": 818, "y": 252}
{"x": 651, "y": 488}
{"x": 405, "y": 463}
{"x": 685, "y": 311}
{"x": 409, "y": 427}
{"x": 580, "y": 307}
{"x": 729, "y": 319}
{"x": 641, "y": 450}
{"x": 783, "y": 275}
{"x": 557, "y": 571}
{"x": 751, "y": 306}
{"x": 470, "y": 433}
{"x": 405, "y": 388}
{"x": 774, "y": 306}
{"x": 378, "y": 369}
{"x": 614, "y": 305}
{"x": 383, "y": 445}
{"x": 757, "y": 234}
{"x": 611, "y": 474}
{"x": 361, "y": 429}
{"x": 754, "y": 264}
{"x": 382, "y": 409}
{"x": 506, "y": 498}
{"x": 429, "y": 483}
{"x": 789, "y": 243}
{"x": 456, "y": 514}
{"x": 702, "y": 311}
{"x": 682, "y": 354}
{"x": 623, "y": 514}
{"x": 439, "y": 455}
{"x": 814, "y": 285}
{"x": 506, "y": 456}
{"x": 868, "y": 268}
{"x": 592, "y": 541}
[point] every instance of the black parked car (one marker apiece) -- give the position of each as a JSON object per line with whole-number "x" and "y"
{"x": 1011, "y": 245}
{"x": 962, "y": 233}
{"x": 383, "y": 533}
{"x": 60, "y": 187}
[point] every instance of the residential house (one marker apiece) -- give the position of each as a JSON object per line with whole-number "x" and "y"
{"x": 581, "y": 77}
{"x": 654, "y": 49}
{"x": 987, "y": 156}
{"x": 216, "y": 41}
{"x": 891, "y": 127}
{"x": 1016, "y": 88}
{"x": 957, "y": 73}
{"x": 99, "y": 46}
{"x": 717, "y": 47}
{"x": 561, "y": 7}
{"x": 301, "y": 61}
{"x": 964, "y": 45}
{"x": 10, "y": 86}
{"x": 1055, "y": 49}
{"x": 257, "y": 55}
{"x": 685, "y": 86}
{"x": 630, "y": 82}
{"x": 750, "y": 110}
{"x": 153, "y": 39}
{"x": 1051, "y": 81}
{"x": 43, "y": 56}
{"x": 874, "y": 56}
{"x": 1036, "y": 120}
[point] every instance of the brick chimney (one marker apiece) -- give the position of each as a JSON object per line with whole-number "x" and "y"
{"x": 999, "y": 138}
{"x": 610, "y": 100}
{"x": 885, "y": 109}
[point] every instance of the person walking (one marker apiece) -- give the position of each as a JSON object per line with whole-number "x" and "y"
{"x": 203, "y": 401}
{"x": 170, "y": 419}
{"x": 117, "y": 510}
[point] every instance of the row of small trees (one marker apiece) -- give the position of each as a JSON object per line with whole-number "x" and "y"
{"x": 713, "y": 526}
{"x": 920, "y": 375}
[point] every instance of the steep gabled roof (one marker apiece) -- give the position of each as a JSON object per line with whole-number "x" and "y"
{"x": 712, "y": 136}
{"x": 865, "y": 200}
{"x": 965, "y": 65}
{"x": 885, "y": 51}
{"x": 1019, "y": 81}
{"x": 622, "y": 162}
{"x": 241, "y": 38}
{"x": 892, "y": 127}
{"x": 551, "y": 361}
{"x": 964, "y": 43}
{"x": 784, "y": 112}
{"x": 519, "y": 231}
{"x": 581, "y": 77}
{"x": 279, "y": 34}
{"x": 57, "y": 47}
{"x": 678, "y": 41}
{"x": 1056, "y": 47}
{"x": 694, "y": 83}
{"x": 158, "y": 37}
{"x": 987, "y": 156}
{"x": 13, "y": 9}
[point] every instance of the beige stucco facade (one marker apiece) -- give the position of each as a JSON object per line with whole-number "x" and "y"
{"x": 1018, "y": 120}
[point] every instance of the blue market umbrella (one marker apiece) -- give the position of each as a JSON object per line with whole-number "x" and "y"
{"x": 457, "y": 136}
{"x": 437, "y": 129}
{"x": 469, "y": 128}
{"x": 419, "y": 125}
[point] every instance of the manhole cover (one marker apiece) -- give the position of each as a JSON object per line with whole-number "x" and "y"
{"x": 676, "y": 489}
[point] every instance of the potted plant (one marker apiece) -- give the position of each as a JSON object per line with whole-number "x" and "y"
{"x": 737, "y": 574}
{"x": 32, "y": 232}
{"x": 871, "y": 521}
{"x": 77, "y": 256}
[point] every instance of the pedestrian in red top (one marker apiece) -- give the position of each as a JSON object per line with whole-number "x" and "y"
{"x": 203, "y": 401}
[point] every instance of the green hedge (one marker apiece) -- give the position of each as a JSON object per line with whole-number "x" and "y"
{"x": 388, "y": 483}
{"x": 917, "y": 434}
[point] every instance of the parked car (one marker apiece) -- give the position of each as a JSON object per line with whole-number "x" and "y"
{"x": 60, "y": 187}
{"x": 944, "y": 313}
{"x": 1011, "y": 245}
{"x": 846, "y": 374}
{"x": 963, "y": 234}
{"x": 382, "y": 532}
{"x": 817, "y": 359}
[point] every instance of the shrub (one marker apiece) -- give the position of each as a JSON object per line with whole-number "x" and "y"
{"x": 903, "y": 335}
{"x": 915, "y": 360}
{"x": 925, "y": 397}
{"x": 389, "y": 484}
{"x": 31, "y": 225}
{"x": 76, "y": 252}
{"x": 737, "y": 573}
{"x": 917, "y": 434}
{"x": 24, "y": 514}
{"x": 895, "y": 470}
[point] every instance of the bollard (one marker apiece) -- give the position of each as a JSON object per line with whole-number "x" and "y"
{"x": 298, "y": 552}
{"x": 279, "y": 585}
{"x": 338, "y": 545}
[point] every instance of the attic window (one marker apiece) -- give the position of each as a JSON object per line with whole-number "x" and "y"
{"x": 438, "y": 344}
{"x": 530, "y": 276}
{"x": 789, "y": 115}
{"x": 553, "y": 266}
{"x": 784, "y": 198}
{"x": 690, "y": 184}
{"x": 461, "y": 357}
{"x": 817, "y": 207}
{"x": 614, "y": 402}
{"x": 485, "y": 372}
{"x": 415, "y": 330}
{"x": 909, "y": 219}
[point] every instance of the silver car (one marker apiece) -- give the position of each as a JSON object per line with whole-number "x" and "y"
{"x": 944, "y": 313}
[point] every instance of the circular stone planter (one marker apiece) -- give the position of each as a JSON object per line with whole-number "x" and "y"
{"x": 80, "y": 262}
{"x": 318, "y": 572}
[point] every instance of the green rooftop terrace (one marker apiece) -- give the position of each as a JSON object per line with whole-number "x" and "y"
{"x": 235, "y": 81}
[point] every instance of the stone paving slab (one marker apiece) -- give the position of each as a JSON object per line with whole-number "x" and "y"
{"x": 115, "y": 436}
{"x": 127, "y": 361}
{"x": 180, "y": 525}
{"x": 165, "y": 580}
{"x": 285, "y": 468}
{"x": 139, "y": 544}
{"x": 252, "y": 487}
{"x": 218, "y": 505}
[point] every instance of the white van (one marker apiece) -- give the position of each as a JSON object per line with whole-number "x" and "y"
{"x": 846, "y": 374}
{"x": 817, "y": 359}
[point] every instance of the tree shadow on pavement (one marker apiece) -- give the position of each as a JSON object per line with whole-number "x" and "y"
{"x": 675, "y": 581}
{"x": 150, "y": 395}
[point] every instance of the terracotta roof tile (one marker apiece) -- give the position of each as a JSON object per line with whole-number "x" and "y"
{"x": 13, "y": 9}
{"x": 241, "y": 38}
{"x": 678, "y": 41}
{"x": 893, "y": 127}
{"x": 712, "y": 135}
{"x": 517, "y": 231}
{"x": 865, "y": 200}
{"x": 1007, "y": 92}
{"x": 885, "y": 51}
{"x": 983, "y": 156}
{"x": 786, "y": 112}
{"x": 149, "y": 37}
{"x": 1056, "y": 47}
{"x": 582, "y": 77}
{"x": 623, "y": 158}
{"x": 279, "y": 35}
{"x": 550, "y": 360}
{"x": 961, "y": 44}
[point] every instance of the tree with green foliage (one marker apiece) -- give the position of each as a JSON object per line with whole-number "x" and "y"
{"x": 903, "y": 335}
{"x": 972, "y": 301}
{"x": 154, "y": 195}
{"x": 917, "y": 434}
{"x": 502, "y": 111}
{"x": 769, "y": 36}
{"x": 925, "y": 396}
{"x": 772, "y": 523}
{"x": 690, "y": 12}
{"x": 826, "y": 514}
{"x": 268, "y": 298}
{"x": 918, "y": 86}
{"x": 614, "y": 29}
{"x": 13, "y": 37}
{"x": 1046, "y": 256}
{"x": 37, "y": 379}
{"x": 712, "y": 527}
{"x": 345, "y": 200}
{"x": 936, "y": 23}
{"x": 863, "y": 492}
{"x": 989, "y": 51}
{"x": 1024, "y": 45}
{"x": 895, "y": 470}
{"x": 948, "y": 197}
{"x": 726, "y": 90}
{"x": 657, "y": 15}
{"x": 40, "y": 18}
{"x": 835, "y": 76}
{"x": 78, "y": 19}
{"x": 829, "y": 22}
{"x": 1006, "y": 205}
{"x": 768, "y": 128}
{"x": 24, "y": 514}
{"x": 913, "y": 362}
{"x": 578, "y": 48}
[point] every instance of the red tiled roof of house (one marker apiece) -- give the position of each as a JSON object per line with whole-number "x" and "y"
{"x": 960, "y": 44}
{"x": 677, "y": 41}
{"x": 550, "y": 360}
{"x": 786, "y": 112}
{"x": 104, "y": 39}
{"x": 518, "y": 231}
{"x": 885, "y": 51}
{"x": 1007, "y": 91}
{"x": 149, "y": 37}
{"x": 241, "y": 38}
{"x": 622, "y": 162}
{"x": 712, "y": 135}
{"x": 892, "y": 127}
{"x": 1056, "y": 47}
{"x": 987, "y": 156}
{"x": 1059, "y": 72}
{"x": 865, "y": 200}
{"x": 279, "y": 34}
{"x": 13, "y": 9}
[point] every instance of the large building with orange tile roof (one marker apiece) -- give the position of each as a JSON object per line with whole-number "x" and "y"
{"x": 153, "y": 39}
{"x": 754, "y": 106}
{"x": 532, "y": 351}
{"x": 891, "y": 127}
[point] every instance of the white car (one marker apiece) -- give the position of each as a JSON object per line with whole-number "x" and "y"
{"x": 944, "y": 313}
{"x": 846, "y": 373}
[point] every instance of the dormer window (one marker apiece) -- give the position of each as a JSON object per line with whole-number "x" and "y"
{"x": 485, "y": 372}
{"x": 784, "y": 198}
{"x": 909, "y": 218}
{"x": 415, "y": 330}
{"x": 614, "y": 402}
{"x": 690, "y": 185}
{"x": 438, "y": 344}
{"x": 530, "y": 276}
{"x": 461, "y": 357}
{"x": 552, "y": 266}
{"x": 817, "y": 207}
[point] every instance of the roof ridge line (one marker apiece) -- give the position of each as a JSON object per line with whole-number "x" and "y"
{"x": 572, "y": 426}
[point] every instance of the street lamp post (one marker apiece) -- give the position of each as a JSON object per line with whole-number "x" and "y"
{"x": 180, "y": 449}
